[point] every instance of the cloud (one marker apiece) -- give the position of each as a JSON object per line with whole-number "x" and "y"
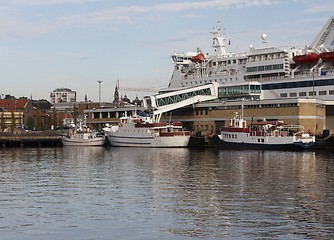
{"x": 17, "y": 20}
{"x": 22, "y": 3}
{"x": 17, "y": 28}
{"x": 319, "y": 8}
{"x": 127, "y": 14}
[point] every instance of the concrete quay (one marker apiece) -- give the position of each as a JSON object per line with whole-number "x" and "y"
{"x": 31, "y": 139}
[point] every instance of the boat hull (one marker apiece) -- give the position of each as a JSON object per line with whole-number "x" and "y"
{"x": 255, "y": 146}
{"x": 245, "y": 140}
{"x": 99, "y": 141}
{"x": 148, "y": 141}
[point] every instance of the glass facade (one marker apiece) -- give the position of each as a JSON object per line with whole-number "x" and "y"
{"x": 239, "y": 90}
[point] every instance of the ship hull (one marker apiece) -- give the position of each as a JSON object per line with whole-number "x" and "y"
{"x": 118, "y": 140}
{"x": 255, "y": 146}
{"x": 245, "y": 140}
{"x": 83, "y": 142}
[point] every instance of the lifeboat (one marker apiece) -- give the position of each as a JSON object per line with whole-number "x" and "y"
{"x": 198, "y": 58}
{"x": 306, "y": 58}
{"x": 327, "y": 56}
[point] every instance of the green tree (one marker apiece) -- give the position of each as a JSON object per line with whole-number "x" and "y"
{"x": 38, "y": 119}
{"x": 31, "y": 123}
{"x": 75, "y": 114}
{"x": 3, "y": 121}
{"x": 54, "y": 118}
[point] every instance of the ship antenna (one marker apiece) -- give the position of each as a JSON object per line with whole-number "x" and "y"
{"x": 218, "y": 40}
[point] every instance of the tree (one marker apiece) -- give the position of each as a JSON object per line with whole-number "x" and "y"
{"x": 54, "y": 118}
{"x": 30, "y": 123}
{"x": 3, "y": 121}
{"x": 75, "y": 113}
{"x": 38, "y": 119}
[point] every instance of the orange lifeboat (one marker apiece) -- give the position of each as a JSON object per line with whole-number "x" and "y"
{"x": 327, "y": 56}
{"x": 198, "y": 58}
{"x": 306, "y": 58}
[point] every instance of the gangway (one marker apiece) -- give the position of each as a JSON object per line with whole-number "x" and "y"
{"x": 161, "y": 103}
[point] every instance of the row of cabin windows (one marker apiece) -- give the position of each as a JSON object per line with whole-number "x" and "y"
{"x": 278, "y": 105}
{"x": 266, "y": 57}
{"x": 300, "y": 84}
{"x": 265, "y": 68}
{"x": 304, "y": 94}
{"x": 209, "y": 81}
{"x": 226, "y": 135}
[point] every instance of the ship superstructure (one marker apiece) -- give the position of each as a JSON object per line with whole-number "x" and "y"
{"x": 260, "y": 73}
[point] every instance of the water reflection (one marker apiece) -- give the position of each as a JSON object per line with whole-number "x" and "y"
{"x": 133, "y": 193}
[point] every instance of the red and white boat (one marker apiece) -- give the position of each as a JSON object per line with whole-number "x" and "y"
{"x": 265, "y": 135}
{"x": 141, "y": 131}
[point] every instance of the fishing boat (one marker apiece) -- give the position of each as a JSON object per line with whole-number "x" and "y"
{"x": 265, "y": 135}
{"x": 142, "y": 131}
{"x": 82, "y": 136}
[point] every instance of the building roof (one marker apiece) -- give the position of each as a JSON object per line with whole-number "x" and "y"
{"x": 13, "y": 104}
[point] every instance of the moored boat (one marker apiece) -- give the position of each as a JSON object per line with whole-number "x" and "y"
{"x": 141, "y": 131}
{"x": 265, "y": 135}
{"x": 83, "y": 137}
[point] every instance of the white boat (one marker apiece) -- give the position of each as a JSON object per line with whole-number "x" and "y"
{"x": 83, "y": 137}
{"x": 265, "y": 135}
{"x": 141, "y": 131}
{"x": 264, "y": 72}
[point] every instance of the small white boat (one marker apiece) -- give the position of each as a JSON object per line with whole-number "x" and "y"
{"x": 264, "y": 135}
{"x": 141, "y": 131}
{"x": 83, "y": 137}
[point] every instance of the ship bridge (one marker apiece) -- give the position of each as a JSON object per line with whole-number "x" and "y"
{"x": 161, "y": 103}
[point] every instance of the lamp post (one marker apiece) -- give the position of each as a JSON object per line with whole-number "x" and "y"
{"x": 99, "y": 81}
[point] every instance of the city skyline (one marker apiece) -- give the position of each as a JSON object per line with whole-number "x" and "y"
{"x": 76, "y": 43}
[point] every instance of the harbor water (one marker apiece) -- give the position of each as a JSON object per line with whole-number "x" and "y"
{"x": 134, "y": 193}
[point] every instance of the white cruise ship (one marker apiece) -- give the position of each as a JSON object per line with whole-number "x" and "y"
{"x": 260, "y": 73}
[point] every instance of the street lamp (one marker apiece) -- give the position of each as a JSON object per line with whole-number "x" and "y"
{"x": 99, "y": 81}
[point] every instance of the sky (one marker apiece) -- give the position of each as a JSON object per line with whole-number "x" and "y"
{"x": 49, "y": 44}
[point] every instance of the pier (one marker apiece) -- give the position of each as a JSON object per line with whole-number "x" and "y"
{"x": 30, "y": 139}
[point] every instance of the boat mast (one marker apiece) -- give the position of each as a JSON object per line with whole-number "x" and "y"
{"x": 242, "y": 108}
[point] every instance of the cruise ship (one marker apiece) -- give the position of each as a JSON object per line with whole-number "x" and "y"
{"x": 261, "y": 73}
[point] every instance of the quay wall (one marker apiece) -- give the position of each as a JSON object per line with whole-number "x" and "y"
{"x": 38, "y": 139}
